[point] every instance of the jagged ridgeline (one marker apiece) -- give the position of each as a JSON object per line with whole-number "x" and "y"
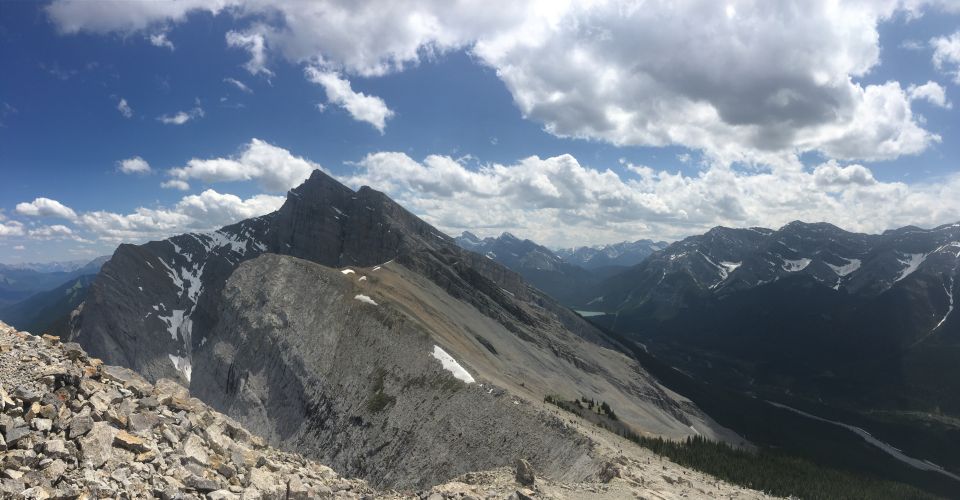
{"x": 345, "y": 327}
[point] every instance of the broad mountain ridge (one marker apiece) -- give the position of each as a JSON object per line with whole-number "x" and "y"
{"x": 345, "y": 327}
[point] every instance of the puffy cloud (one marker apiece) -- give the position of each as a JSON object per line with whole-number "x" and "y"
{"x": 274, "y": 168}
{"x": 73, "y": 16}
{"x": 175, "y": 184}
{"x": 239, "y": 85}
{"x": 743, "y": 81}
{"x": 830, "y": 175}
{"x": 160, "y": 40}
{"x": 946, "y": 54}
{"x": 181, "y": 117}
{"x": 760, "y": 84}
{"x": 213, "y": 209}
{"x": 49, "y": 232}
{"x": 931, "y": 92}
{"x": 135, "y": 165}
{"x": 11, "y": 228}
{"x": 559, "y": 201}
{"x": 362, "y": 107}
{"x": 207, "y": 211}
{"x": 253, "y": 43}
{"x": 124, "y": 108}
{"x": 45, "y": 207}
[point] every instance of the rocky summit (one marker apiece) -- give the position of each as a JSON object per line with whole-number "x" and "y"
{"x": 73, "y": 427}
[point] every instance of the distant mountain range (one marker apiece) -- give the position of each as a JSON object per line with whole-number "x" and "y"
{"x": 20, "y": 281}
{"x": 625, "y": 254}
{"x": 808, "y": 313}
{"x": 562, "y": 274}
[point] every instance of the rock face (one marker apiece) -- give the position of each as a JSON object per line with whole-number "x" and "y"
{"x": 327, "y": 326}
{"x": 71, "y": 427}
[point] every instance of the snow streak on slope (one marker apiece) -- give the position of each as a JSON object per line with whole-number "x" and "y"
{"x": 451, "y": 365}
{"x": 911, "y": 262}
{"x": 792, "y": 266}
{"x": 365, "y": 299}
{"x": 949, "y": 289}
{"x": 851, "y": 266}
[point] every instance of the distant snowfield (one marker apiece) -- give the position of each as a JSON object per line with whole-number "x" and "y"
{"x": 451, "y": 365}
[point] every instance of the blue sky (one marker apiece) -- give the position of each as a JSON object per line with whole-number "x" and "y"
{"x": 596, "y": 125}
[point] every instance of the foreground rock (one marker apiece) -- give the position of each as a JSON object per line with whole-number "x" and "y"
{"x": 71, "y": 427}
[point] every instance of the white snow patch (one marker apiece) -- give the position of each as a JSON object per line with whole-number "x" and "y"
{"x": 365, "y": 298}
{"x": 376, "y": 268}
{"x": 362, "y": 278}
{"x": 174, "y": 322}
{"x": 911, "y": 262}
{"x": 182, "y": 365}
{"x": 851, "y": 266}
{"x": 792, "y": 266}
{"x": 348, "y": 271}
{"x": 731, "y": 266}
{"x": 141, "y": 288}
{"x": 451, "y": 365}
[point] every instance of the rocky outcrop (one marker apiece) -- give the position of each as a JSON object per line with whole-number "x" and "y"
{"x": 72, "y": 427}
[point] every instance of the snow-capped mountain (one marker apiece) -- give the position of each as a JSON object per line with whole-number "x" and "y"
{"x": 536, "y": 263}
{"x": 865, "y": 320}
{"x": 624, "y": 254}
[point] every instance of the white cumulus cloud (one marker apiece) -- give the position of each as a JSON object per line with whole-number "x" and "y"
{"x": 362, "y": 107}
{"x": 203, "y": 212}
{"x": 931, "y": 92}
{"x": 559, "y": 201}
{"x": 745, "y": 80}
{"x": 45, "y": 207}
{"x": 134, "y": 165}
{"x": 946, "y": 54}
{"x": 274, "y": 168}
{"x": 11, "y": 228}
